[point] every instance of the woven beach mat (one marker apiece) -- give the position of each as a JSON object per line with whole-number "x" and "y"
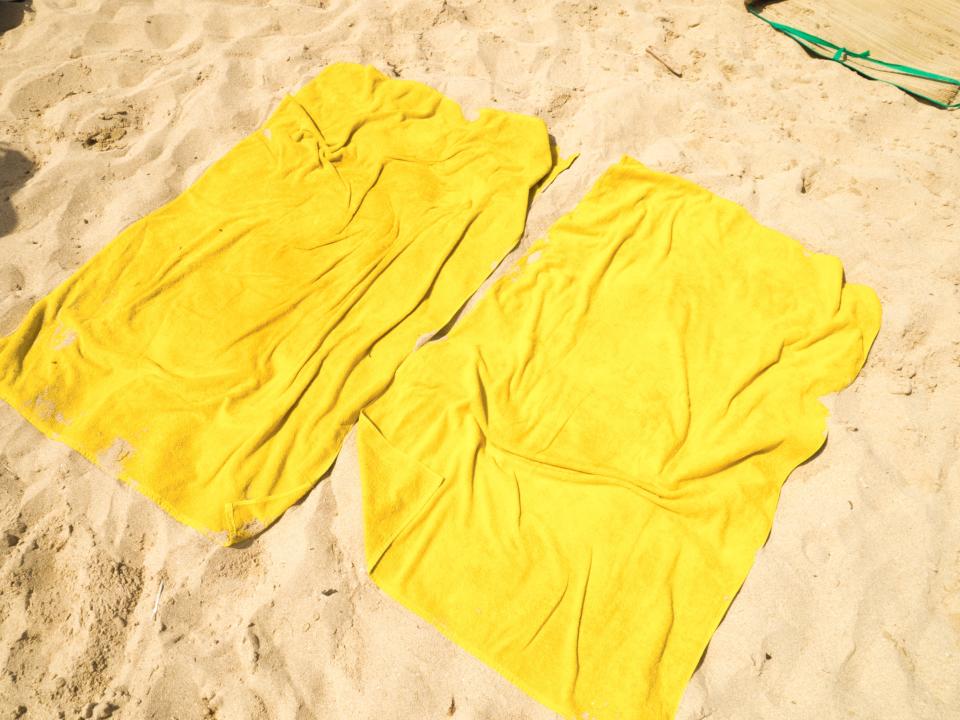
{"x": 913, "y": 45}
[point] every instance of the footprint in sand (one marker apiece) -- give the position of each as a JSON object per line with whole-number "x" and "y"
{"x": 164, "y": 30}
{"x": 11, "y": 279}
{"x": 252, "y": 643}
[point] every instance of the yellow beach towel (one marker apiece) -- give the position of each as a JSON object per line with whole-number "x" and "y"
{"x": 574, "y": 483}
{"x": 217, "y": 351}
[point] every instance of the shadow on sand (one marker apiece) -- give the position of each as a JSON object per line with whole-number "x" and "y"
{"x": 11, "y": 13}
{"x": 15, "y": 169}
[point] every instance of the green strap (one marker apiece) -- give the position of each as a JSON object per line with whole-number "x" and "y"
{"x": 841, "y": 54}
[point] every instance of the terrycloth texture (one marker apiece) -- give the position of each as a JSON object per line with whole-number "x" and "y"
{"x": 574, "y": 483}
{"x": 217, "y": 351}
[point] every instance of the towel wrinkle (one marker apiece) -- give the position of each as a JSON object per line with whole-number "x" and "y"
{"x": 579, "y": 628}
{"x": 550, "y": 613}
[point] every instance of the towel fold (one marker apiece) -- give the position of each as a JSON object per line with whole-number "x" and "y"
{"x": 574, "y": 483}
{"x": 215, "y": 354}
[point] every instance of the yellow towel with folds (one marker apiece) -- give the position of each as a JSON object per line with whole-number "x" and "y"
{"x": 574, "y": 483}
{"x": 215, "y": 354}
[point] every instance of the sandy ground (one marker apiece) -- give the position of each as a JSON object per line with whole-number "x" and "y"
{"x": 108, "y": 108}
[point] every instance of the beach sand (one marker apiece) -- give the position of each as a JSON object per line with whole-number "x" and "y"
{"x": 108, "y": 108}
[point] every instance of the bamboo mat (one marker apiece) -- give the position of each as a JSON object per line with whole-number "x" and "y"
{"x": 907, "y": 43}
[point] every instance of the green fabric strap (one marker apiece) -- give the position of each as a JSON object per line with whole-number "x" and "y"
{"x": 841, "y": 54}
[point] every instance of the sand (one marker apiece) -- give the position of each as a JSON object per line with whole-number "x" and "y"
{"x": 109, "y": 108}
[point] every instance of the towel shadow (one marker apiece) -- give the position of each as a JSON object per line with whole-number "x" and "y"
{"x": 15, "y": 169}
{"x": 11, "y": 14}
